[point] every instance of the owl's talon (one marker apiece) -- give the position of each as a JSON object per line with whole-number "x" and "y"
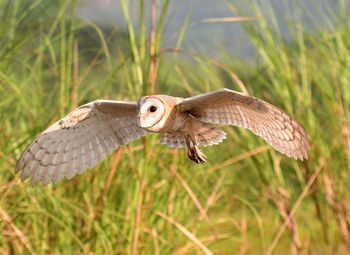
{"x": 196, "y": 155}
{"x": 192, "y": 155}
{"x": 200, "y": 155}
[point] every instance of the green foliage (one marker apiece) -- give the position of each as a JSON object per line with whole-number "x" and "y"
{"x": 158, "y": 201}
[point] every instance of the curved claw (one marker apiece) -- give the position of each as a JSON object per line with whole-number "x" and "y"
{"x": 196, "y": 155}
{"x": 200, "y": 155}
{"x": 191, "y": 154}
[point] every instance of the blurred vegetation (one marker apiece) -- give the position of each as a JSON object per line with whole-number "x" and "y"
{"x": 150, "y": 199}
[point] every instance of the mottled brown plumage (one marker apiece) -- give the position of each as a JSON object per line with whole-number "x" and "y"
{"x": 90, "y": 132}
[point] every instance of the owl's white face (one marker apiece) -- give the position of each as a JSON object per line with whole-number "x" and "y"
{"x": 150, "y": 112}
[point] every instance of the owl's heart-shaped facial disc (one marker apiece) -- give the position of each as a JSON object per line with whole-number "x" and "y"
{"x": 150, "y": 111}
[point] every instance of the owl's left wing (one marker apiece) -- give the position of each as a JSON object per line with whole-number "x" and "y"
{"x": 229, "y": 107}
{"x": 79, "y": 140}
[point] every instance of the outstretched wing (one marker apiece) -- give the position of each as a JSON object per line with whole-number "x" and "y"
{"x": 79, "y": 140}
{"x": 229, "y": 107}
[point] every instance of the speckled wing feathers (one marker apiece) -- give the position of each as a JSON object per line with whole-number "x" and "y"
{"x": 228, "y": 107}
{"x": 79, "y": 140}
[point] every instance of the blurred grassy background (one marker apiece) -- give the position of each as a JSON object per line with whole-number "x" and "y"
{"x": 150, "y": 199}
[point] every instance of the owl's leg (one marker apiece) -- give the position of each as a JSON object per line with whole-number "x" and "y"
{"x": 194, "y": 153}
{"x": 190, "y": 152}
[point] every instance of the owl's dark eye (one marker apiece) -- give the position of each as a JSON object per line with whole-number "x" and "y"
{"x": 153, "y": 109}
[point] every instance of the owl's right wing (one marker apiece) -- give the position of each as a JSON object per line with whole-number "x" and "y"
{"x": 228, "y": 107}
{"x": 79, "y": 140}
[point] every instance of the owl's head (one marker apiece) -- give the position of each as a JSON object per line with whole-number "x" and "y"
{"x": 150, "y": 111}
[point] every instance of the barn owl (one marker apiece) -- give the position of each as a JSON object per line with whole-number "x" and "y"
{"x": 90, "y": 132}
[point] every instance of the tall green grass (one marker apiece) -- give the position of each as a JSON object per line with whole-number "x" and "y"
{"x": 150, "y": 199}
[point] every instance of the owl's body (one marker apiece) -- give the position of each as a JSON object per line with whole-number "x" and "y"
{"x": 86, "y": 135}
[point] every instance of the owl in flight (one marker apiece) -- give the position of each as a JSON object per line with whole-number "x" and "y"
{"x": 90, "y": 132}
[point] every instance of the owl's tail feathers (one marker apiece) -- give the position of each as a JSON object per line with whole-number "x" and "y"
{"x": 173, "y": 140}
{"x": 208, "y": 135}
